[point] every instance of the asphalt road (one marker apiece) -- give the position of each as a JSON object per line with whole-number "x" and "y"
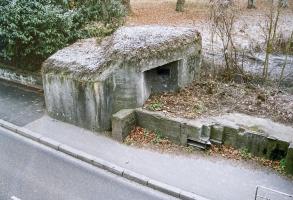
{"x": 31, "y": 171}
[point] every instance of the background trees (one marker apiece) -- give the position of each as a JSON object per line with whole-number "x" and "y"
{"x": 180, "y": 5}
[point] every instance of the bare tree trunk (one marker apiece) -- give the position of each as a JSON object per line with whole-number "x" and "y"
{"x": 127, "y": 5}
{"x": 283, "y": 3}
{"x": 251, "y": 4}
{"x": 180, "y": 5}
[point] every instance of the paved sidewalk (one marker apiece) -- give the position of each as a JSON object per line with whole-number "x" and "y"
{"x": 19, "y": 106}
{"x": 214, "y": 178}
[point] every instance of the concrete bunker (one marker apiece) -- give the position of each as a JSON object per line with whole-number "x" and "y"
{"x": 87, "y": 82}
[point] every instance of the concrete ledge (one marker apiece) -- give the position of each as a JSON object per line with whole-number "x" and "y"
{"x": 190, "y": 196}
{"x": 122, "y": 123}
{"x": 29, "y": 134}
{"x": 28, "y": 79}
{"x": 167, "y": 126}
{"x": 69, "y": 150}
{"x": 113, "y": 168}
{"x": 50, "y": 143}
{"x": 138, "y": 178}
{"x": 8, "y": 125}
{"x": 289, "y": 160}
{"x": 175, "y": 192}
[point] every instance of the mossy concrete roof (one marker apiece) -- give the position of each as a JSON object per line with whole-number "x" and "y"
{"x": 127, "y": 44}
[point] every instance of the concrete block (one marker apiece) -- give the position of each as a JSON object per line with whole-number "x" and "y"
{"x": 167, "y": 126}
{"x": 230, "y": 135}
{"x": 289, "y": 160}
{"x": 183, "y": 138}
{"x": 8, "y": 125}
{"x": 217, "y": 134}
{"x": 85, "y": 157}
{"x": 205, "y": 131}
{"x": 113, "y": 168}
{"x": 130, "y": 175}
{"x": 167, "y": 189}
{"x": 69, "y": 150}
{"x": 50, "y": 143}
{"x": 122, "y": 123}
{"x": 29, "y": 134}
{"x": 191, "y": 130}
{"x": 190, "y": 196}
{"x": 99, "y": 163}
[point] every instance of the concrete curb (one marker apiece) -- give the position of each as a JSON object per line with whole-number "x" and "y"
{"x": 102, "y": 164}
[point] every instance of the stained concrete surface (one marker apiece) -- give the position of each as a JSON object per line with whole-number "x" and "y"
{"x": 20, "y": 106}
{"x": 266, "y": 126}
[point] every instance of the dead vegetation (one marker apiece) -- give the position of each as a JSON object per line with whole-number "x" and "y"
{"x": 243, "y": 154}
{"x": 212, "y": 98}
{"x": 163, "y": 11}
{"x": 142, "y": 138}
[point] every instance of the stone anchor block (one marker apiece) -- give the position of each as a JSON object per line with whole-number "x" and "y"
{"x": 216, "y": 134}
{"x": 289, "y": 160}
{"x": 191, "y": 131}
{"x": 205, "y": 132}
{"x": 122, "y": 123}
{"x": 159, "y": 123}
{"x": 230, "y": 135}
{"x": 255, "y": 143}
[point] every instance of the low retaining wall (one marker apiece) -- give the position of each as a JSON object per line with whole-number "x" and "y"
{"x": 186, "y": 132}
{"x": 33, "y": 80}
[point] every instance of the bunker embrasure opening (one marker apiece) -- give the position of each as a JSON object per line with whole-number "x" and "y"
{"x": 163, "y": 78}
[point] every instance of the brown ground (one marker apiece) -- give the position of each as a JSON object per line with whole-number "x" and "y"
{"x": 214, "y": 98}
{"x": 143, "y": 138}
{"x": 163, "y": 11}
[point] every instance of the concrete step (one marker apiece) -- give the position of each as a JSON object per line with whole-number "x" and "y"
{"x": 216, "y": 142}
{"x": 199, "y": 144}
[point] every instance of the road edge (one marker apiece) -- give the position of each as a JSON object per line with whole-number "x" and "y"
{"x": 102, "y": 164}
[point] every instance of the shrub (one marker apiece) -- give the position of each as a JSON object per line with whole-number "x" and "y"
{"x": 32, "y": 30}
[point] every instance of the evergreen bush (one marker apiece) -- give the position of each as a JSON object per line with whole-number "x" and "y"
{"x": 32, "y": 30}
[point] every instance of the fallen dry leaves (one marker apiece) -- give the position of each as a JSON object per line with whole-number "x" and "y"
{"x": 210, "y": 98}
{"x": 242, "y": 154}
{"x": 141, "y": 137}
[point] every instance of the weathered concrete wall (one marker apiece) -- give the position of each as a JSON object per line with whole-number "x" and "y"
{"x": 33, "y": 80}
{"x": 188, "y": 132}
{"x": 166, "y": 126}
{"x": 86, "y": 104}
